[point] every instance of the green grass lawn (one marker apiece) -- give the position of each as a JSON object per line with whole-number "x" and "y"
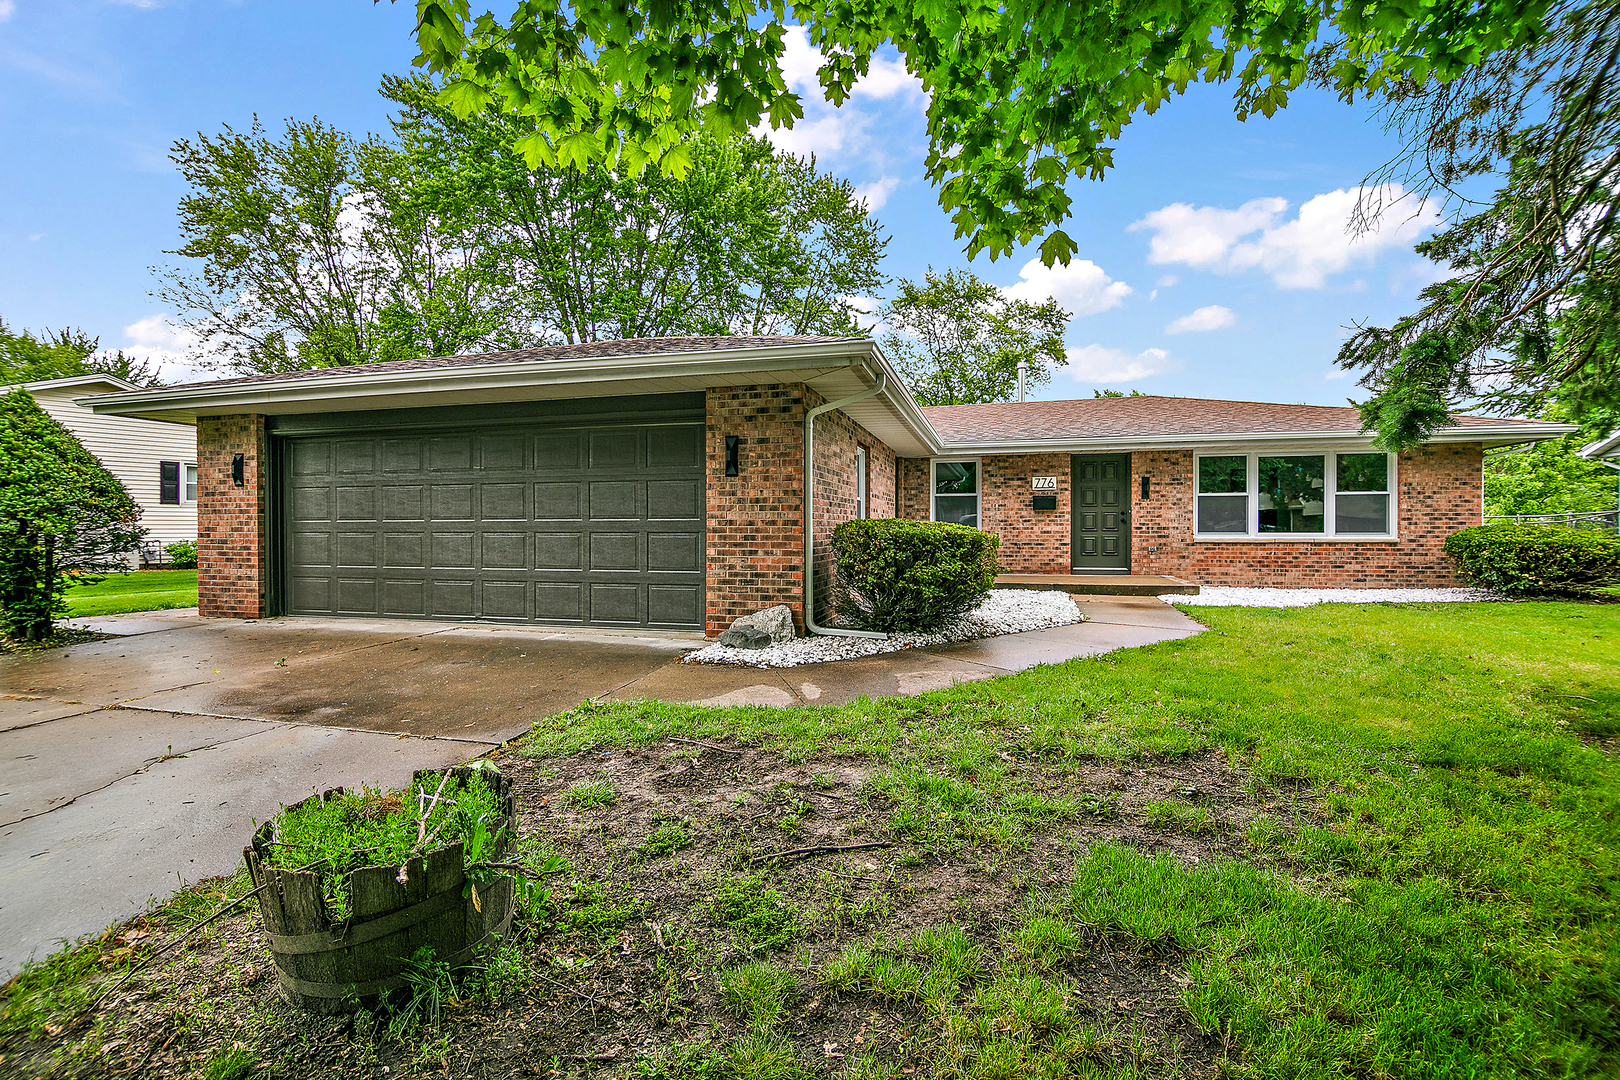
{"x": 142, "y": 590}
{"x": 1323, "y": 842}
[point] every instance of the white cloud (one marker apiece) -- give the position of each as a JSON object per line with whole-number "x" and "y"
{"x": 170, "y": 348}
{"x": 144, "y": 5}
{"x": 1082, "y": 287}
{"x": 1213, "y": 317}
{"x": 876, "y": 193}
{"x": 1167, "y": 281}
{"x": 866, "y": 317}
{"x": 884, "y": 78}
{"x": 1298, "y": 253}
{"x": 1336, "y": 373}
{"x": 8, "y": 8}
{"x": 1101, "y": 365}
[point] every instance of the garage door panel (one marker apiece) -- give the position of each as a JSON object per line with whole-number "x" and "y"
{"x": 615, "y": 603}
{"x": 450, "y": 453}
{"x": 404, "y": 597}
{"x": 452, "y": 550}
{"x": 405, "y": 551}
{"x": 311, "y": 504}
{"x": 451, "y": 598}
{"x": 674, "y": 605}
{"x": 673, "y": 500}
{"x": 451, "y": 502}
{"x": 357, "y": 549}
{"x": 357, "y": 503}
{"x": 558, "y": 453}
{"x": 674, "y": 552}
{"x": 401, "y": 503}
{"x": 521, "y": 523}
{"x": 615, "y": 551}
{"x": 311, "y": 548}
{"x": 614, "y": 450}
{"x": 559, "y": 551}
{"x": 505, "y": 551}
{"x": 675, "y": 447}
{"x": 402, "y": 455}
{"x": 502, "y": 502}
{"x": 615, "y": 500}
{"x": 558, "y": 501}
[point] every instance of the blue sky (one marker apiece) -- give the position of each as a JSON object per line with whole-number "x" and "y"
{"x": 1213, "y": 260}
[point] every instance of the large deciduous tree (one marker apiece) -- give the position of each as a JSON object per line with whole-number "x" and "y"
{"x": 61, "y": 354}
{"x": 61, "y": 513}
{"x": 317, "y": 249}
{"x": 1528, "y": 310}
{"x": 1023, "y": 95}
{"x": 958, "y": 340}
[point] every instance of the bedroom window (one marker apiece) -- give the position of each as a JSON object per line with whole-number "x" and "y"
{"x": 188, "y": 490}
{"x": 956, "y": 492}
{"x": 1295, "y": 495}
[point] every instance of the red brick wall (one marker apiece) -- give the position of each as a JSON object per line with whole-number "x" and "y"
{"x": 913, "y": 489}
{"x": 1438, "y": 492}
{"x": 232, "y": 573}
{"x": 1032, "y": 541}
{"x": 837, "y": 438}
{"x": 756, "y": 538}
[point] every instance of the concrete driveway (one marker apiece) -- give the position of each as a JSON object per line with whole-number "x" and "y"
{"x": 137, "y": 764}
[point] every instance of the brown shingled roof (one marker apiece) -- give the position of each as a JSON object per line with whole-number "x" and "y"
{"x": 1127, "y": 417}
{"x": 550, "y": 353}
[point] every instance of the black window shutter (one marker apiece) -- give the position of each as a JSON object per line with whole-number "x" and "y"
{"x": 169, "y": 482}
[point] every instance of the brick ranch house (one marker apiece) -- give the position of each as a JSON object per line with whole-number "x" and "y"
{"x": 661, "y": 483}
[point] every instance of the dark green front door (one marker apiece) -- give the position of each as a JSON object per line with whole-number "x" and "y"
{"x": 1100, "y": 500}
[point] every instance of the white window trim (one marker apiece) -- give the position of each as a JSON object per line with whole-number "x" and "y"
{"x": 978, "y": 485}
{"x": 862, "y": 511}
{"x": 184, "y": 465}
{"x": 1330, "y": 492}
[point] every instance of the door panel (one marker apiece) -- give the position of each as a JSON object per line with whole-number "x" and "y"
{"x": 599, "y": 524}
{"x": 1101, "y": 526}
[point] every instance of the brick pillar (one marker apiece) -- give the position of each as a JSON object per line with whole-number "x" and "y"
{"x": 232, "y": 572}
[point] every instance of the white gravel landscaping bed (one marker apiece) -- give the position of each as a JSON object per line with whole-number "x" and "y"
{"x": 1223, "y": 596}
{"x": 1004, "y": 611}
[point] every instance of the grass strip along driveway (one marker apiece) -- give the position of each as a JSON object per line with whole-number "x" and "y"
{"x": 1363, "y": 841}
{"x": 141, "y": 590}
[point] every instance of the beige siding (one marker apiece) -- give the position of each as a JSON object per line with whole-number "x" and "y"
{"x": 131, "y": 450}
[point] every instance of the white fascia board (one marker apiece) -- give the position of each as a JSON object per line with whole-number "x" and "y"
{"x": 1500, "y": 435}
{"x": 361, "y": 390}
{"x": 74, "y": 380}
{"x": 1602, "y": 448}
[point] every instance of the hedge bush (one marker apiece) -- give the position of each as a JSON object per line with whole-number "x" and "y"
{"x": 1535, "y": 560}
{"x": 898, "y": 575}
{"x": 182, "y": 554}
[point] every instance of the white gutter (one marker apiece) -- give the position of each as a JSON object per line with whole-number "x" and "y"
{"x": 1518, "y": 432}
{"x": 882, "y": 379}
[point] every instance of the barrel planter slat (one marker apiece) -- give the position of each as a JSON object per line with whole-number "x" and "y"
{"x": 324, "y": 967}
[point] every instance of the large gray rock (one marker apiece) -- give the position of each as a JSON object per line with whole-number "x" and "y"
{"x": 745, "y": 637}
{"x": 776, "y": 622}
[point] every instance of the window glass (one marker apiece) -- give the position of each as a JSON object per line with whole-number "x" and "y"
{"x": 956, "y": 477}
{"x": 1291, "y": 494}
{"x": 1223, "y": 475}
{"x": 1362, "y": 514}
{"x": 1363, "y": 472}
{"x": 860, "y": 485}
{"x": 191, "y": 483}
{"x": 957, "y": 509}
{"x": 1223, "y": 513}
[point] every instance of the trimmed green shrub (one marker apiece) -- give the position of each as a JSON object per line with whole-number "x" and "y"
{"x": 182, "y": 554}
{"x": 1535, "y": 560}
{"x": 898, "y": 575}
{"x": 61, "y": 513}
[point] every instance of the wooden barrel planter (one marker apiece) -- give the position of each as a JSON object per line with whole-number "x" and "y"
{"x": 324, "y": 966}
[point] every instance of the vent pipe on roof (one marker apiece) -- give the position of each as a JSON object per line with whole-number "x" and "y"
{"x": 810, "y": 510}
{"x": 1023, "y": 368}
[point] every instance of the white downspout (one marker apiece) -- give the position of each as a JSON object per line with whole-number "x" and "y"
{"x": 810, "y": 512}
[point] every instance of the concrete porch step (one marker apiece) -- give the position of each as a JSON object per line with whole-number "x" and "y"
{"x": 1100, "y": 584}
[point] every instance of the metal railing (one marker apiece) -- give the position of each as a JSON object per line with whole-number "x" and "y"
{"x": 1599, "y": 520}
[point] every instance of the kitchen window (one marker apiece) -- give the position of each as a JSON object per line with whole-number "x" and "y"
{"x": 956, "y": 492}
{"x": 1295, "y": 495}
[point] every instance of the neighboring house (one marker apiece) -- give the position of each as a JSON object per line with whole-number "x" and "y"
{"x": 662, "y": 483}
{"x": 156, "y": 462}
{"x": 1606, "y": 451}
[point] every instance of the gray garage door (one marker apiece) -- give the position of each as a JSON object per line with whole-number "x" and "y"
{"x": 597, "y": 525}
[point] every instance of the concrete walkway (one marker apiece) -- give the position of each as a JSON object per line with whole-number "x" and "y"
{"x": 137, "y": 764}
